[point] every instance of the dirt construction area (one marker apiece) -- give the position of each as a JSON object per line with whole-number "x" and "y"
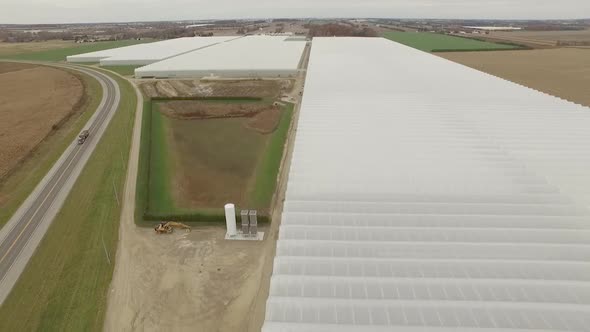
{"x": 561, "y": 72}
{"x": 199, "y": 282}
{"x": 216, "y": 88}
{"x": 35, "y": 100}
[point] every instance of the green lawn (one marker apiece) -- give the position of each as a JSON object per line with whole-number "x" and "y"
{"x": 64, "y": 286}
{"x": 17, "y": 187}
{"x": 122, "y": 70}
{"x": 435, "y": 42}
{"x": 268, "y": 170}
{"x": 60, "y": 54}
{"x": 224, "y": 160}
{"x": 160, "y": 165}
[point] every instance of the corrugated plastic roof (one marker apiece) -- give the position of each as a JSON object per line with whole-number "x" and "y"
{"x": 248, "y": 56}
{"x": 427, "y": 196}
{"x": 142, "y": 54}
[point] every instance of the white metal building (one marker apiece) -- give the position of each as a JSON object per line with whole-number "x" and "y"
{"x": 143, "y": 54}
{"x": 250, "y": 56}
{"x": 427, "y": 196}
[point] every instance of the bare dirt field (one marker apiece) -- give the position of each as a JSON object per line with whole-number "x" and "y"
{"x": 562, "y": 72}
{"x": 189, "y": 281}
{"x": 7, "y": 49}
{"x": 199, "y": 110}
{"x": 215, "y": 161}
{"x": 35, "y": 100}
{"x": 266, "y": 121}
{"x": 221, "y": 88}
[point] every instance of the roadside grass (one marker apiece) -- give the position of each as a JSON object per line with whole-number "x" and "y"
{"x": 60, "y": 53}
{"x": 18, "y": 185}
{"x": 64, "y": 286}
{"x": 436, "y": 42}
{"x": 227, "y": 159}
{"x": 122, "y": 70}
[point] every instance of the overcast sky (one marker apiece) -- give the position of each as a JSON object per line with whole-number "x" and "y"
{"x": 75, "y": 11}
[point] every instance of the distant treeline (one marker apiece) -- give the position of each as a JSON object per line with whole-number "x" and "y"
{"x": 340, "y": 30}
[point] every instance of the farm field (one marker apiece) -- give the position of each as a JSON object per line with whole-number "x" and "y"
{"x": 562, "y": 72}
{"x": 544, "y": 38}
{"x": 65, "y": 284}
{"x": 434, "y": 42}
{"x": 58, "y": 50}
{"x": 41, "y": 112}
{"x": 8, "y": 49}
{"x": 26, "y": 121}
{"x": 203, "y": 154}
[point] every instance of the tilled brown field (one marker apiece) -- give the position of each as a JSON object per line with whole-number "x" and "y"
{"x": 34, "y": 101}
{"x": 561, "y": 72}
{"x": 549, "y": 38}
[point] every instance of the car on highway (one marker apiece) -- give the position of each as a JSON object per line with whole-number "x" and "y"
{"x": 82, "y": 137}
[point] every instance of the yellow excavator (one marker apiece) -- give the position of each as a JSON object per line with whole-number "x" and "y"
{"x": 169, "y": 226}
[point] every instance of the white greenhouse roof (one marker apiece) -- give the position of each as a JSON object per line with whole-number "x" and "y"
{"x": 251, "y": 56}
{"x": 427, "y": 196}
{"x": 142, "y": 54}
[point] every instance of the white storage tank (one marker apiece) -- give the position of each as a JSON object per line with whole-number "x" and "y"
{"x": 230, "y": 220}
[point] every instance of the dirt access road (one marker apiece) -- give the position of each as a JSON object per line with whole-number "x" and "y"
{"x": 191, "y": 281}
{"x": 561, "y": 72}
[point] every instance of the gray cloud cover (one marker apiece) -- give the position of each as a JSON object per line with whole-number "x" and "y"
{"x": 72, "y": 11}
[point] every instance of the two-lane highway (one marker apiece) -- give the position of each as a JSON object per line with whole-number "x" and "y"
{"x": 24, "y": 231}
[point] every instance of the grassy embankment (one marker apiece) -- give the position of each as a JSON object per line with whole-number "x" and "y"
{"x": 64, "y": 286}
{"x": 122, "y": 70}
{"x": 18, "y": 185}
{"x": 435, "y": 42}
{"x": 224, "y": 143}
{"x": 60, "y": 53}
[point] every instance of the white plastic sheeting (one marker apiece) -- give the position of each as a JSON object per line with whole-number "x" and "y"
{"x": 251, "y": 56}
{"x": 143, "y": 54}
{"x": 424, "y": 195}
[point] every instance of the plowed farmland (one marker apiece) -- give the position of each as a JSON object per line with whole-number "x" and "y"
{"x": 562, "y": 72}
{"x": 544, "y": 38}
{"x": 35, "y": 101}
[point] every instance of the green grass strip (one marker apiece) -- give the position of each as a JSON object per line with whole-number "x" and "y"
{"x": 159, "y": 194}
{"x": 430, "y": 42}
{"x": 122, "y": 70}
{"x": 267, "y": 172}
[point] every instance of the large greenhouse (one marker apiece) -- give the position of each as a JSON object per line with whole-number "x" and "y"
{"x": 427, "y": 196}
